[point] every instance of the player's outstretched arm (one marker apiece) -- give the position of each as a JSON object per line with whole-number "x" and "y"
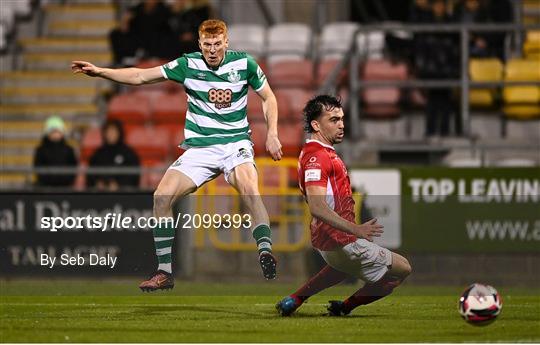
{"x": 270, "y": 110}
{"x": 316, "y": 198}
{"x": 130, "y": 76}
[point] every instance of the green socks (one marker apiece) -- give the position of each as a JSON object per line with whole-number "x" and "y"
{"x": 263, "y": 235}
{"x": 163, "y": 240}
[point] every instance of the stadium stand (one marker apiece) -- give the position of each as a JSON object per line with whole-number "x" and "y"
{"x": 522, "y": 102}
{"x": 250, "y": 38}
{"x": 336, "y": 39}
{"x": 288, "y": 41}
{"x": 382, "y": 102}
{"x": 480, "y": 70}
{"x": 130, "y": 108}
{"x": 291, "y": 73}
{"x": 296, "y": 60}
{"x": 371, "y": 45}
{"x": 169, "y": 107}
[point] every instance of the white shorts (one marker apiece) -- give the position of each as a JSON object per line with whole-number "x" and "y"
{"x": 361, "y": 259}
{"x": 202, "y": 164}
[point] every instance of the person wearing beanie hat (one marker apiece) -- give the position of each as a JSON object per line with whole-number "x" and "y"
{"x": 54, "y": 151}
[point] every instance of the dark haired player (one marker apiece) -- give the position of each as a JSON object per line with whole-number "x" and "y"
{"x": 346, "y": 247}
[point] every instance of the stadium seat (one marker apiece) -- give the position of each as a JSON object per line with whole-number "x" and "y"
{"x": 169, "y": 108}
{"x": 129, "y": 108}
{"x": 291, "y": 136}
{"x": 484, "y": 70}
{"x": 297, "y": 100}
{"x": 382, "y": 101}
{"x": 176, "y": 137}
{"x": 289, "y": 73}
{"x": 254, "y": 107}
{"x": 258, "y": 136}
{"x": 370, "y": 44}
{"x": 531, "y": 47}
{"x": 91, "y": 140}
{"x": 288, "y": 41}
{"x": 284, "y": 104}
{"x": 152, "y": 144}
{"x": 336, "y": 39}
{"x": 522, "y": 102}
{"x": 324, "y": 68}
{"x": 250, "y": 38}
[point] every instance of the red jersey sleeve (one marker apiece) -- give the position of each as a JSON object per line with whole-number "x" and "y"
{"x": 316, "y": 168}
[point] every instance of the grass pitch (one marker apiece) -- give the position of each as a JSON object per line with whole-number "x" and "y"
{"x": 89, "y": 311}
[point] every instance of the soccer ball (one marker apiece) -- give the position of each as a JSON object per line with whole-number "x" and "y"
{"x": 480, "y": 304}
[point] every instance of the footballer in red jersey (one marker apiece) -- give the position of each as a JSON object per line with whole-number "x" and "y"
{"x": 346, "y": 247}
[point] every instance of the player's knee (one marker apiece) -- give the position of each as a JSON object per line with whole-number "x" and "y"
{"x": 407, "y": 268}
{"x": 162, "y": 200}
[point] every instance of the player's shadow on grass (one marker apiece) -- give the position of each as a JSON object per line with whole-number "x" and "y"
{"x": 196, "y": 310}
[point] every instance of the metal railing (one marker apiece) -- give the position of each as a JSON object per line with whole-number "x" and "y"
{"x": 353, "y": 58}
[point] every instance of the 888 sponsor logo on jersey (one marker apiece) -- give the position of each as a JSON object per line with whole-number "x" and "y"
{"x": 221, "y": 98}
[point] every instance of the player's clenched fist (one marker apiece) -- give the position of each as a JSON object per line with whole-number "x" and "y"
{"x": 369, "y": 230}
{"x": 273, "y": 146}
{"x": 84, "y": 67}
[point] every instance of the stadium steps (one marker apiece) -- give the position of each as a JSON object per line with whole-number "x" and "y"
{"x": 51, "y": 79}
{"x": 531, "y": 12}
{"x": 14, "y": 180}
{"x": 43, "y": 110}
{"x": 83, "y": 28}
{"x": 16, "y": 160}
{"x": 64, "y": 44}
{"x": 53, "y": 95}
{"x": 62, "y": 61}
{"x": 81, "y": 12}
{"x": 45, "y": 86}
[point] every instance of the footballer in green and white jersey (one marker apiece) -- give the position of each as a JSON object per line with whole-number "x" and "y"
{"x": 217, "y": 97}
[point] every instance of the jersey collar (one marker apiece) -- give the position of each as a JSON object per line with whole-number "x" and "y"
{"x": 318, "y": 142}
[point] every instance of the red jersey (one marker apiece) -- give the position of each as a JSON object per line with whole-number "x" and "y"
{"x": 319, "y": 165}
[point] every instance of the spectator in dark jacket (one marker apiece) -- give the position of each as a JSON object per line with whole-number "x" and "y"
{"x": 113, "y": 153}
{"x": 186, "y": 16}
{"x": 150, "y": 26}
{"x": 123, "y": 41}
{"x": 473, "y": 12}
{"x": 54, "y": 152}
{"x": 437, "y": 58}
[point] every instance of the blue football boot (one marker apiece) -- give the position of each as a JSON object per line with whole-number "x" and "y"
{"x": 286, "y": 306}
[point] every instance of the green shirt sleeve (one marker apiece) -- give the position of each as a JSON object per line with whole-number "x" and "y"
{"x": 255, "y": 75}
{"x": 175, "y": 70}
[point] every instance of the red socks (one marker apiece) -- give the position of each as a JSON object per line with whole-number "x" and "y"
{"x": 371, "y": 293}
{"x": 327, "y": 277}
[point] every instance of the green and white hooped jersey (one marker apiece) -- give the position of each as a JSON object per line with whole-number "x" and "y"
{"x": 217, "y": 98}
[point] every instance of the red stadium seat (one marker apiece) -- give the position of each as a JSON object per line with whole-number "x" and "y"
{"x": 325, "y": 68}
{"x": 258, "y": 136}
{"x": 176, "y": 136}
{"x": 254, "y": 107}
{"x": 129, "y": 108}
{"x": 382, "y": 101}
{"x": 291, "y": 136}
{"x": 169, "y": 108}
{"x": 297, "y": 101}
{"x": 292, "y": 74}
{"x": 91, "y": 140}
{"x": 151, "y": 144}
